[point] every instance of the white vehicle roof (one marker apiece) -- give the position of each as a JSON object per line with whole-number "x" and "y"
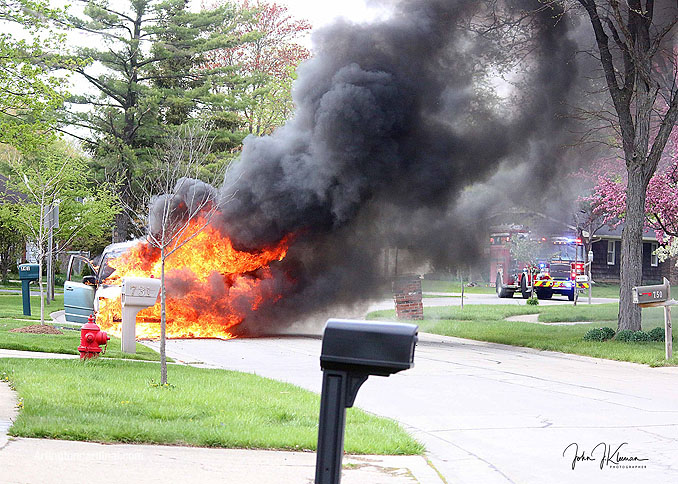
{"x": 121, "y": 246}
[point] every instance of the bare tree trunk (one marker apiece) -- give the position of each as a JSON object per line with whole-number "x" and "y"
{"x": 163, "y": 319}
{"x": 631, "y": 259}
{"x": 42, "y": 292}
{"x": 121, "y": 228}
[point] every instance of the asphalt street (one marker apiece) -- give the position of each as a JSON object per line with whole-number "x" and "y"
{"x": 497, "y": 414}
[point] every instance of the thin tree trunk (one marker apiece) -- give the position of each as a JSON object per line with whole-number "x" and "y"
{"x": 121, "y": 228}
{"x": 631, "y": 257}
{"x": 163, "y": 355}
{"x": 42, "y": 292}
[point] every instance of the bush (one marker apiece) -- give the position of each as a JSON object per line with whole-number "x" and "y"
{"x": 608, "y": 333}
{"x": 657, "y": 334}
{"x": 594, "y": 334}
{"x": 59, "y": 279}
{"x": 640, "y": 337}
{"x": 599, "y": 334}
{"x": 624, "y": 335}
{"x": 533, "y": 301}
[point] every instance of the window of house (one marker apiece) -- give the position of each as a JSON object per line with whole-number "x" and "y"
{"x": 610, "y": 253}
{"x": 654, "y": 260}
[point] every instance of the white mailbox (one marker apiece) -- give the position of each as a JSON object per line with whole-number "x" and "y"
{"x": 137, "y": 293}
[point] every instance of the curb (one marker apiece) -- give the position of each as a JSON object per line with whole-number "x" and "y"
{"x": 8, "y": 411}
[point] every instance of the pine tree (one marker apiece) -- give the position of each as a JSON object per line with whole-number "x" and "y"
{"x": 152, "y": 52}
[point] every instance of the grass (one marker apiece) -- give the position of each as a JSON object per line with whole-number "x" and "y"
{"x": 11, "y": 306}
{"x": 601, "y": 289}
{"x": 487, "y": 323}
{"x": 119, "y": 401}
{"x": 11, "y": 312}
{"x": 428, "y": 285}
{"x": 66, "y": 343}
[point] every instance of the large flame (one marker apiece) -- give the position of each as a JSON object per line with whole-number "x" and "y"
{"x": 217, "y": 285}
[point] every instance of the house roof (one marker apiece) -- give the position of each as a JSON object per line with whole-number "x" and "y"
{"x": 607, "y": 232}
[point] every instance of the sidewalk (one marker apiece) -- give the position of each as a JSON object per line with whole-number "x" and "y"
{"x": 24, "y": 460}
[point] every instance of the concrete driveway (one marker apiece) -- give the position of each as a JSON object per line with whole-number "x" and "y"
{"x": 491, "y": 413}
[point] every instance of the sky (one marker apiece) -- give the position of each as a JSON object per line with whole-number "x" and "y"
{"x": 320, "y": 13}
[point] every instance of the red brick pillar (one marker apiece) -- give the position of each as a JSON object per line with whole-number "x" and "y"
{"x": 407, "y": 297}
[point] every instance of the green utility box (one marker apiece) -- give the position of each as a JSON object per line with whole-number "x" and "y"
{"x": 27, "y": 273}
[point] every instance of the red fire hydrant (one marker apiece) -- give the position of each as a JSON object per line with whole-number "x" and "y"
{"x": 91, "y": 337}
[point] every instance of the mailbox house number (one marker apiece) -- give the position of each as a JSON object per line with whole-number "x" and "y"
{"x": 654, "y": 294}
{"x": 140, "y": 291}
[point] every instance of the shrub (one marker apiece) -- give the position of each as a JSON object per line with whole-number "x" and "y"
{"x": 608, "y": 333}
{"x": 624, "y": 335}
{"x": 599, "y": 334}
{"x": 594, "y": 334}
{"x": 640, "y": 337}
{"x": 657, "y": 334}
{"x": 533, "y": 301}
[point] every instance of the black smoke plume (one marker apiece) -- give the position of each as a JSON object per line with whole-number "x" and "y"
{"x": 390, "y": 129}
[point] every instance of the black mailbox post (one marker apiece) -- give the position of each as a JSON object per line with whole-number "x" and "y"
{"x": 352, "y": 351}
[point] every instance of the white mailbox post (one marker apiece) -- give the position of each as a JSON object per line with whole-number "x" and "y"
{"x": 137, "y": 293}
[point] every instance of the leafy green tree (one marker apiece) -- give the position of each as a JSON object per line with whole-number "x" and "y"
{"x": 524, "y": 249}
{"x": 150, "y": 51}
{"x": 267, "y": 63}
{"x": 28, "y": 92}
{"x": 57, "y": 175}
{"x": 11, "y": 240}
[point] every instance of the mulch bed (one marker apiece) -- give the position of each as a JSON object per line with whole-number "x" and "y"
{"x": 37, "y": 329}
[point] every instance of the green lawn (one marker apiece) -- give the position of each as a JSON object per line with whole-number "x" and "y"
{"x": 62, "y": 343}
{"x": 120, "y": 401}
{"x": 602, "y": 289}
{"x": 487, "y": 323}
{"x": 11, "y": 310}
{"x": 11, "y": 306}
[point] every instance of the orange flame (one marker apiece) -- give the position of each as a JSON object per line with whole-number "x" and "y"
{"x": 217, "y": 285}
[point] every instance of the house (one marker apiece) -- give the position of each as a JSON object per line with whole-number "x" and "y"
{"x": 606, "y": 246}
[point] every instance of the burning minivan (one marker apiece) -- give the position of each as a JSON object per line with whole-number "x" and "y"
{"x": 82, "y": 298}
{"x": 211, "y": 286}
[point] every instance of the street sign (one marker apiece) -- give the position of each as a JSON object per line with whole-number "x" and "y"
{"x": 650, "y": 295}
{"x": 52, "y": 216}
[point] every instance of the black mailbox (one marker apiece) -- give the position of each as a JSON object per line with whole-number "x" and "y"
{"x": 372, "y": 347}
{"x": 351, "y": 352}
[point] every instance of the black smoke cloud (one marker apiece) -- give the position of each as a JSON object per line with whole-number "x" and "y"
{"x": 389, "y": 130}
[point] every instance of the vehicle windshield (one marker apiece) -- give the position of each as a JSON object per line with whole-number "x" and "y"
{"x": 105, "y": 271}
{"x": 561, "y": 251}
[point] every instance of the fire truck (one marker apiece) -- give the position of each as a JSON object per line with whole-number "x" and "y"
{"x": 557, "y": 266}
